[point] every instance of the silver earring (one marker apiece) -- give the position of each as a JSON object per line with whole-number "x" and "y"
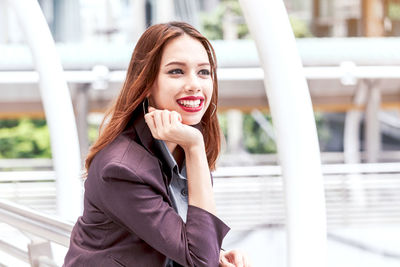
{"x": 215, "y": 107}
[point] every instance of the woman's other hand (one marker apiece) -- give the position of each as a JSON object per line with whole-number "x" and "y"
{"x": 167, "y": 126}
{"x": 233, "y": 258}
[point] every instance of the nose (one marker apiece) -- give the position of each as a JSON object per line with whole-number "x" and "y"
{"x": 192, "y": 84}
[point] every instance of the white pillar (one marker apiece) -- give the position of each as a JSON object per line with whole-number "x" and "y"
{"x": 138, "y": 20}
{"x": 229, "y": 26}
{"x": 235, "y": 131}
{"x": 296, "y": 134}
{"x": 165, "y": 11}
{"x": 82, "y": 112}
{"x": 352, "y": 124}
{"x": 57, "y": 106}
{"x": 372, "y": 124}
{"x": 3, "y": 22}
{"x": 351, "y": 145}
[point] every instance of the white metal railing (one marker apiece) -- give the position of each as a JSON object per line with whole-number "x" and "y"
{"x": 34, "y": 222}
{"x": 372, "y": 191}
{"x": 248, "y": 171}
{"x": 327, "y": 158}
{"x": 231, "y": 171}
{"x": 45, "y": 229}
{"x": 247, "y": 197}
{"x": 36, "y": 163}
{"x": 13, "y": 251}
{"x": 355, "y": 195}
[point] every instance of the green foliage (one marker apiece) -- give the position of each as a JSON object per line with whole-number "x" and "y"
{"x": 212, "y": 23}
{"x": 223, "y": 123}
{"x": 29, "y": 138}
{"x": 394, "y": 11}
{"x": 24, "y": 139}
{"x": 322, "y": 129}
{"x": 255, "y": 138}
{"x": 8, "y": 123}
{"x": 299, "y": 27}
{"x": 212, "y": 28}
{"x": 93, "y": 133}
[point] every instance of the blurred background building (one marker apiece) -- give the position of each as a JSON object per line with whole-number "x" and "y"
{"x": 92, "y": 35}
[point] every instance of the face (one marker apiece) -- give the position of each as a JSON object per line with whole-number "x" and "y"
{"x": 184, "y": 82}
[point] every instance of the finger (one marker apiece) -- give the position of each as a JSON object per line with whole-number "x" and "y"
{"x": 238, "y": 259}
{"x": 225, "y": 263}
{"x": 150, "y": 123}
{"x": 151, "y": 109}
{"x": 179, "y": 116}
{"x": 166, "y": 118}
{"x": 246, "y": 261}
{"x": 157, "y": 119}
{"x": 175, "y": 117}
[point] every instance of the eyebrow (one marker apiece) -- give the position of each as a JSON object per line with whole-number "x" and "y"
{"x": 184, "y": 64}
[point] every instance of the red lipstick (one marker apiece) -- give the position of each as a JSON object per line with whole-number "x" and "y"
{"x": 196, "y": 104}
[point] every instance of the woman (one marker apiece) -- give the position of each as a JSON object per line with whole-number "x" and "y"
{"x": 148, "y": 193}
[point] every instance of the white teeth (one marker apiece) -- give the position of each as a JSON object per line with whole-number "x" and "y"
{"x": 190, "y": 103}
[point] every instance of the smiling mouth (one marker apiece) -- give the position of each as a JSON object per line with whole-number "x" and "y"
{"x": 190, "y": 103}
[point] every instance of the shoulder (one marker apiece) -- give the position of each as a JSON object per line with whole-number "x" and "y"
{"x": 123, "y": 158}
{"x": 123, "y": 167}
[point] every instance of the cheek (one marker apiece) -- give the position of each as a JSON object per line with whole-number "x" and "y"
{"x": 208, "y": 91}
{"x": 156, "y": 98}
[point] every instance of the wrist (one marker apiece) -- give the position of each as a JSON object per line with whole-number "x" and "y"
{"x": 196, "y": 143}
{"x": 194, "y": 147}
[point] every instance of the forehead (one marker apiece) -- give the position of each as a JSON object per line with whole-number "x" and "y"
{"x": 184, "y": 48}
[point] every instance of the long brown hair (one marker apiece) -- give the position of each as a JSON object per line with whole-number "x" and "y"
{"x": 142, "y": 72}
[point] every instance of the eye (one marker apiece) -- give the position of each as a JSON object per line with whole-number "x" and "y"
{"x": 204, "y": 72}
{"x": 175, "y": 71}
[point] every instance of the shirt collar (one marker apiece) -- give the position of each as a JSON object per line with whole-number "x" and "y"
{"x": 168, "y": 159}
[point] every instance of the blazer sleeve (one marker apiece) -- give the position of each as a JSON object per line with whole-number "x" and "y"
{"x": 135, "y": 202}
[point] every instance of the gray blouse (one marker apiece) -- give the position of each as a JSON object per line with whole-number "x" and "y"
{"x": 178, "y": 186}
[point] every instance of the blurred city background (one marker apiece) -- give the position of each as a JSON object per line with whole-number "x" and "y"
{"x": 350, "y": 50}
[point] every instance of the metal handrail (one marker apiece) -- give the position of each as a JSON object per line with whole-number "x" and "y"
{"x": 39, "y": 224}
{"x": 14, "y": 251}
{"x": 24, "y": 163}
{"x": 275, "y": 170}
{"x": 261, "y": 170}
{"x": 58, "y": 230}
{"x": 45, "y": 261}
{"x": 20, "y": 176}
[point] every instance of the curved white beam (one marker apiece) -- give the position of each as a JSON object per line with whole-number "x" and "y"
{"x": 57, "y": 105}
{"x": 296, "y": 134}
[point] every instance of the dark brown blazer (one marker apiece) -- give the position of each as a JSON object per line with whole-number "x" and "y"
{"x": 128, "y": 219}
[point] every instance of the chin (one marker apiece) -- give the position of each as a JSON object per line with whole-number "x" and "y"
{"x": 191, "y": 121}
